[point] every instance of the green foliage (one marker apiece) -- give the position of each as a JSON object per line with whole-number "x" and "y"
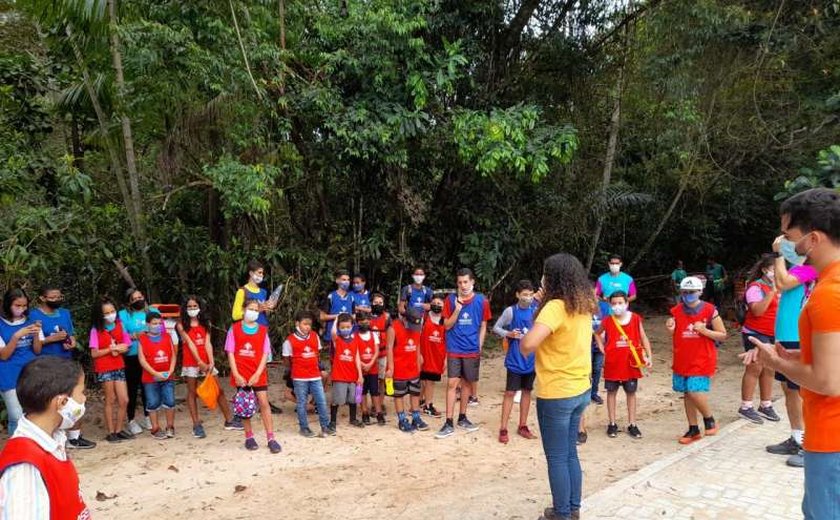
{"x": 825, "y": 175}
{"x": 245, "y": 188}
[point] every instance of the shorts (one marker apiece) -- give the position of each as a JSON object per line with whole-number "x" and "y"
{"x": 630, "y": 386}
{"x": 745, "y": 337}
{"x": 111, "y": 376}
{"x": 463, "y": 368}
{"x": 515, "y": 382}
{"x": 691, "y": 383}
{"x": 404, "y": 387}
{"x": 343, "y": 393}
{"x": 430, "y": 376}
{"x": 371, "y": 385}
{"x": 383, "y": 366}
{"x": 159, "y": 395}
{"x": 789, "y": 345}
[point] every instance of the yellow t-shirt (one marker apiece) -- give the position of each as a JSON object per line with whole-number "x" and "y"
{"x": 564, "y": 359}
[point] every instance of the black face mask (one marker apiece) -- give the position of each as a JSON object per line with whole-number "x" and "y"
{"x": 139, "y": 305}
{"x": 52, "y": 304}
{"x": 377, "y": 309}
{"x": 364, "y": 327}
{"x": 437, "y": 309}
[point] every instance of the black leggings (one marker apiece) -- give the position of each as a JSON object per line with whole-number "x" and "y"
{"x": 133, "y": 373}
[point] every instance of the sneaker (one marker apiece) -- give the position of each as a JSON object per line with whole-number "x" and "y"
{"x": 332, "y": 426}
{"x": 366, "y": 420}
{"x": 158, "y": 434}
{"x": 357, "y": 423}
{"x": 406, "y": 427}
{"x": 523, "y": 431}
{"x": 709, "y": 427}
{"x": 550, "y": 514}
{"x": 276, "y": 410}
{"x": 329, "y": 430}
{"x": 146, "y": 423}
{"x": 796, "y": 461}
{"x": 503, "y": 436}
{"x": 80, "y": 444}
{"x": 690, "y": 437}
{"x": 170, "y": 433}
{"x": 251, "y": 444}
{"x": 124, "y": 435}
{"x": 473, "y": 401}
{"x": 633, "y": 431}
{"x": 380, "y": 420}
{"x": 431, "y": 411}
{"x": 235, "y": 424}
{"x": 274, "y": 447}
{"x": 420, "y": 424}
{"x": 582, "y": 438}
{"x": 467, "y": 425}
{"x": 445, "y": 431}
{"x": 113, "y": 438}
{"x": 198, "y": 432}
{"x": 788, "y": 447}
{"x": 135, "y": 428}
{"x": 612, "y": 431}
{"x": 597, "y": 399}
{"x": 306, "y": 432}
{"x": 769, "y": 413}
{"x": 751, "y": 415}
{"x": 517, "y": 397}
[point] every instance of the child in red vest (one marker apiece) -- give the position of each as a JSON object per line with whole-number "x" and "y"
{"x": 346, "y": 370}
{"x": 368, "y": 343}
{"x": 380, "y": 322}
{"x": 695, "y": 326}
{"x": 433, "y": 351}
{"x": 404, "y": 367}
{"x": 248, "y": 347}
{"x": 108, "y": 342}
{"x": 37, "y": 477}
{"x": 626, "y": 350}
{"x": 157, "y": 355}
{"x": 301, "y": 352}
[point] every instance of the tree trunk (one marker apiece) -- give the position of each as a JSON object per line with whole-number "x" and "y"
{"x": 665, "y": 218}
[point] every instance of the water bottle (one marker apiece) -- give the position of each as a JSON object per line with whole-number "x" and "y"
{"x": 389, "y": 386}
{"x": 358, "y": 394}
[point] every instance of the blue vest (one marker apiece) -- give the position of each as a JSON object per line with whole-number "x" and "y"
{"x": 416, "y": 297}
{"x": 338, "y": 305}
{"x": 462, "y": 338}
{"x": 523, "y": 319}
{"x": 23, "y": 354}
{"x": 610, "y": 284}
{"x": 361, "y": 299}
{"x": 59, "y": 321}
{"x": 260, "y": 296}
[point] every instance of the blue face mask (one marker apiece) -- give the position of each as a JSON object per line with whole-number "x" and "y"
{"x": 788, "y": 250}
{"x": 345, "y": 333}
{"x": 153, "y": 330}
{"x": 690, "y": 298}
{"x": 359, "y": 287}
{"x": 343, "y": 285}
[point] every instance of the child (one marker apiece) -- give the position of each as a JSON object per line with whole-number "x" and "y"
{"x": 300, "y": 351}
{"x": 513, "y": 324}
{"x": 433, "y": 352}
{"x": 695, "y": 354}
{"x": 361, "y": 296}
{"x": 197, "y": 360}
{"x": 20, "y": 342}
{"x": 51, "y": 391}
{"x": 108, "y": 342}
{"x": 623, "y": 355}
{"x": 248, "y": 346}
{"x": 416, "y": 294}
{"x": 346, "y": 370}
{"x": 157, "y": 356}
{"x": 337, "y": 302}
{"x": 368, "y": 344}
{"x": 380, "y": 322}
{"x": 404, "y": 367}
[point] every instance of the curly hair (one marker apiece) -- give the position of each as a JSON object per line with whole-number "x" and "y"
{"x": 757, "y": 270}
{"x": 564, "y": 278}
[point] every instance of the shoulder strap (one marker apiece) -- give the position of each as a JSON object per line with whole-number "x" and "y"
{"x": 635, "y": 354}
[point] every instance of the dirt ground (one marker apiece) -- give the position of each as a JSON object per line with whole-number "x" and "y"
{"x": 379, "y": 470}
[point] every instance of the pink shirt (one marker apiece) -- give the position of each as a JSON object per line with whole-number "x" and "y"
{"x": 230, "y": 344}
{"x": 94, "y": 339}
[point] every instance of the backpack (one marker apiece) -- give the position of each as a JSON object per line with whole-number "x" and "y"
{"x": 244, "y": 402}
{"x": 742, "y": 308}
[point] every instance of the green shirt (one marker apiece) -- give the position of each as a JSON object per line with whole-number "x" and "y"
{"x": 678, "y": 275}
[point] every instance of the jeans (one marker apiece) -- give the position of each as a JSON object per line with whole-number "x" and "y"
{"x": 13, "y": 409}
{"x": 302, "y": 391}
{"x": 159, "y": 395}
{"x": 597, "y": 367}
{"x": 822, "y": 486}
{"x": 559, "y": 421}
{"x": 133, "y": 374}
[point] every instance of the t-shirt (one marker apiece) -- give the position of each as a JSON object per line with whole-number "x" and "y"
{"x": 10, "y": 368}
{"x": 246, "y": 354}
{"x": 819, "y": 316}
{"x": 462, "y": 339}
{"x": 335, "y": 303}
{"x": 609, "y": 283}
{"x": 344, "y": 368}
{"x": 416, "y": 297}
{"x": 303, "y": 351}
{"x": 765, "y": 323}
{"x": 678, "y": 276}
{"x": 564, "y": 359}
{"x": 792, "y": 301}
{"x": 51, "y": 323}
{"x": 133, "y": 322}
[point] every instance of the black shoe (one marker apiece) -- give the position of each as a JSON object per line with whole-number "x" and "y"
{"x": 597, "y": 399}
{"x": 357, "y": 423}
{"x": 582, "y": 437}
{"x": 612, "y": 431}
{"x": 366, "y": 420}
{"x": 380, "y": 420}
{"x": 331, "y": 429}
{"x": 788, "y": 447}
{"x": 633, "y": 431}
{"x": 124, "y": 435}
{"x": 80, "y": 444}
{"x": 276, "y": 410}
{"x": 113, "y": 438}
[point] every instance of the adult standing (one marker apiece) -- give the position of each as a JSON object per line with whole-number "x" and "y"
{"x": 677, "y": 276}
{"x": 133, "y": 319}
{"x": 615, "y": 280}
{"x": 811, "y": 220}
{"x": 715, "y": 282}
{"x": 253, "y": 290}
{"x": 561, "y": 338}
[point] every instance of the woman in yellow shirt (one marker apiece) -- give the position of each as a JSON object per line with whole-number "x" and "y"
{"x": 561, "y": 337}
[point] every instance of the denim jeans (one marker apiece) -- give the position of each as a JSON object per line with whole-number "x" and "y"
{"x": 597, "y": 367}
{"x": 302, "y": 391}
{"x": 160, "y": 395}
{"x": 13, "y": 409}
{"x": 559, "y": 421}
{"x": 822, "y": 486}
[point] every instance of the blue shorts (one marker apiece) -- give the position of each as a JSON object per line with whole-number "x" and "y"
{"x": 685, "y": 384}
{"x": 159, "y": 395}
{"x": 111, "y": 375}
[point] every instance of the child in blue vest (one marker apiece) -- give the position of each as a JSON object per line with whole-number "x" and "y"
{"x": 337, "y": 302}
{"x": 416, "y": 294}
{"x": 361, "y": 296}
{"x": 513, "y": 324}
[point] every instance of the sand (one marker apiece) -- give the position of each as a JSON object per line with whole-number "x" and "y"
{"x": 379, "y": 471}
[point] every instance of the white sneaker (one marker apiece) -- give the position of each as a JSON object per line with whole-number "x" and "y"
{"x": 134, "y": 428}
{"x": 518, "y": 397}
{"x": 146, "y": 423}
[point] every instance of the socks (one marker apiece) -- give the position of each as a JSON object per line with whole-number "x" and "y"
{"x": 461, "y": 417}
{"x": 766, "y": 404}
{"x": 352, "y": 413}
{"x": 694, "y": 430}
{"x": 415, "y": 415}
{"x": 75, "y": 434}
{"x": 249, "y": 434}
{"x": 449, "y": 422}
{"x": 798, "y": 436}
{"x": 269, "y": 436}
{"x": 333, "y": 413}
{"x": 709, "y": 422}
{"x": 746, "y": 404}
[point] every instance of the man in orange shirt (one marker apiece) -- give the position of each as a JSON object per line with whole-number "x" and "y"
{"x": 811, "y": 220}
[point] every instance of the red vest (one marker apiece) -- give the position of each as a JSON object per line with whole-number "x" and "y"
{"x": 344, "y": 361}
{"x": 60, "y": 477}
{"x": 158, "y": 355}
{"x": 433, "y": 346}
{"x": 198, "y": 335}
{"x": 694, "y": 354}
{"x": 766, "y": 323}
{"x": 248, "y": 353}
{"x": 368, "y": 351}
{"x": 379, "y": 326}
{"x": 406, "y": 343}
{"x": 108, "y": 362}
{"x": 618, "y": 360}
{"x": 305, "y": 356}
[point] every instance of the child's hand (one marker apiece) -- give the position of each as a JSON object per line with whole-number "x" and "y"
{"x": 671, "y": 324}
{"x": 389, "y": 373}
{"x": 203, "y": 367}
{"x": 253, "y": 380}
{"x": 240, "y": 381}
{"x": 700, "y": 326}
{"x": 648, "y": 362}
{"x": 515, "y": 334}
{"x": 360, "y": 381}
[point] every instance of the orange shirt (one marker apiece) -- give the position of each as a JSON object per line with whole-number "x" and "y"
{"x": 821, "y": 412}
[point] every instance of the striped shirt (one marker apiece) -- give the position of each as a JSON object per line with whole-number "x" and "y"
{"x": 23, "y": 495}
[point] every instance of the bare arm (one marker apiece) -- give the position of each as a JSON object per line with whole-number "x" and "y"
{"x": 453, "y": 318}
{"x": 482, "y": 334}
{"x": 7, "y": 351}
{"x": 599, "y": 338}
{"x": 389, "y": 371}
{"x": 716, "y": 333}
{"x": 534, "y": 338}
{"x": 646, "y": 344}
{"x": 760, "y": 307}
{"x": 359, "y": 368}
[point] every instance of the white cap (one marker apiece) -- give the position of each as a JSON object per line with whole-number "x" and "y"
{"x": 691, "y": 283}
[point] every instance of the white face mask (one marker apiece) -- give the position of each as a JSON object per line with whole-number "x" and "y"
{"x": 192, "y": 313}
{"x": 771, "y": 275}
{"x": 615, "y": 268}
{"x": 70, "y": 413}
{"x": 468, "y": 290}
{"x": 418, "y": 278}
{"x": 111, "y": 317}
{"x": 619, "y": 309}
{"x": 251, "y": 315}
{"x": 257, "y": 278}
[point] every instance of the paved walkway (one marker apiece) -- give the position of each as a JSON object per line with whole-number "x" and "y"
{"x": 729, "y": 476}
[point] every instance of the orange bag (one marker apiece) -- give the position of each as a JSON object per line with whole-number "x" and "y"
{"x": 209, "y": 391}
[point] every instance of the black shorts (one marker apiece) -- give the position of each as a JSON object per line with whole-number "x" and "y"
{"x": 406, "y": 387}
{"x": 789, "y": 345}
{"x": 745, "y": 337}
{"x": 630, "y": 386}
{"x": 430, "y": 376}
{"x": 463, "y": 368}
{"x": 516, "y": 381}
{"x": 371, "y": 385}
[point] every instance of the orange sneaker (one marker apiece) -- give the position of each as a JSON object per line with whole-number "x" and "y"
{"x": 690, "y": 437}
